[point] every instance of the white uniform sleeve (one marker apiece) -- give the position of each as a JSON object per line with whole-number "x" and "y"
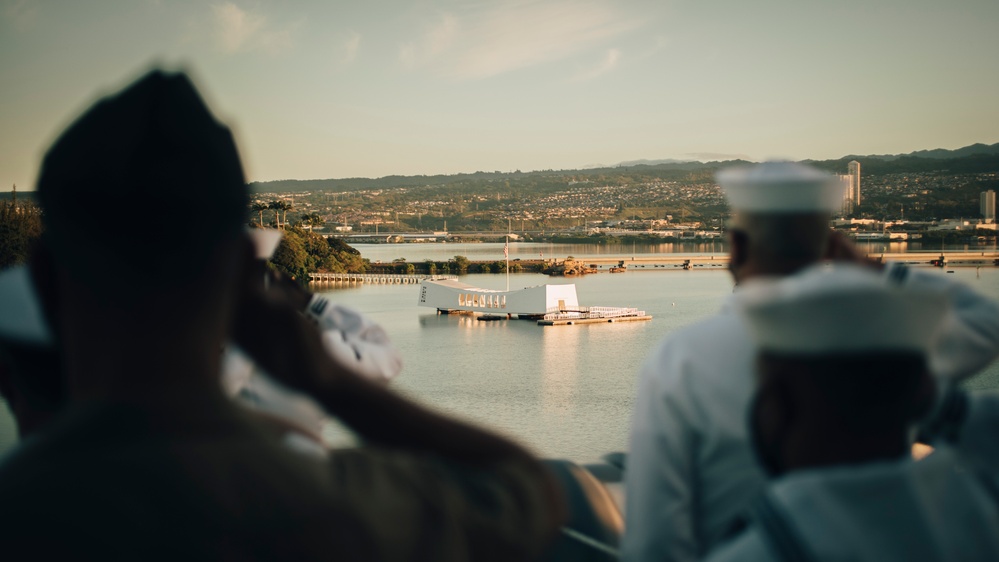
{"x": 969, "y": 337}
{"x": 660, "y": 474}
{"x": 355, "y": 340}
{"x": 249, "y": 385}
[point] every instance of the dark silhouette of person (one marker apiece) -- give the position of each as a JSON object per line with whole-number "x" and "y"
{"x": 149, "y": 460}
{"x": 842, "y": 377}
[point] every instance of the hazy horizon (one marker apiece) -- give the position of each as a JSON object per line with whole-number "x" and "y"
{"x": 317, "y": 90}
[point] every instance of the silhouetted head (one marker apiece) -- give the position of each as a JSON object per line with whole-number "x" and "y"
{"x": 841, "y": 369}
{"x": 144, "y": 205}
{"x": 144, "y": 182}
{"x": 782, "y": 213}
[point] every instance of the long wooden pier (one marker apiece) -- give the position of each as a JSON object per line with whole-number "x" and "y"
{"x": 374, "y": 278}
{"x": 646, "y": 262}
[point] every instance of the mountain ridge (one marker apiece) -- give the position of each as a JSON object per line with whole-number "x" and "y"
{"x": 973, "y": 158}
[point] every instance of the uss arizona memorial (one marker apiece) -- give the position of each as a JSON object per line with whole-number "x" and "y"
{"x": 548, "y": 304}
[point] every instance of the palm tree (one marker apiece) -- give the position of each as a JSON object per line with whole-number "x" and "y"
{"x": 316, "y": 220}
{"x": 286, "y": 206}
{"x": 306, "y": 220}
{"x": 258, "y": 207}
{"x": 311, "y": 220}
{"x": 276, "y": 206}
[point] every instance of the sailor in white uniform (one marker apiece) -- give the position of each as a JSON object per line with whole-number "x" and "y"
{"x": 690, "y": 468}
{"x": 842, "y": 375}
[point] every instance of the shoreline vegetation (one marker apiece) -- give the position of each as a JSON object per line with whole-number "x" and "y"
{"x": 303, "y": 251}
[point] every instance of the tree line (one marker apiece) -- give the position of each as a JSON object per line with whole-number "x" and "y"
{"x": 302, "y": 251}
{"x": 20, "y": 227}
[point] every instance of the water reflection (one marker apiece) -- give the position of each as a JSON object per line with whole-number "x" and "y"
{"x": 560, "y": 368}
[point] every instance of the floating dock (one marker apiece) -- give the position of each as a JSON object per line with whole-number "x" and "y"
{"x": 593, "y": 315}
{"x": 573, "y": 321}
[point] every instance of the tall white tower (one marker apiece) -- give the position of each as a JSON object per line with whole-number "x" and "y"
{"x": 854, "y": 171}
{"x": 989, "y": 206}
{"x": 847, "y": 207}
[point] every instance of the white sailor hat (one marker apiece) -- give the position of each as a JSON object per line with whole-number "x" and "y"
{"x": 841, "y": 308}
{"x": 22, "y": 321}
{"x": 781, "y": 187}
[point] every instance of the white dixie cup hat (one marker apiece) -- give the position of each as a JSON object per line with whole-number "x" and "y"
{"x": 843, "y": 308}
{"x": 781, "y": 187}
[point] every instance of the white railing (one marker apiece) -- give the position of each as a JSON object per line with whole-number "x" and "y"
{"x": 554, "y": 313}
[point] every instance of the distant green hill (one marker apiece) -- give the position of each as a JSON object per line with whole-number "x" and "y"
{"x": 937, "y": 153}
{"x": 389, "y": 182}
{"x": 976, "y": 158}
{"x": 874, "y": 165}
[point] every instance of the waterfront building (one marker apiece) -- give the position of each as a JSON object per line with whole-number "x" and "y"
{"x": 451, "y": 295}
{"x": 853, "y": 170}
{"x": 847, "y": 207}
{"x": 988, "y": 206}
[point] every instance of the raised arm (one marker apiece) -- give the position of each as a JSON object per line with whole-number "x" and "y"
{"x": 484, "y": 492}
{"x": 970, "y": 334}
{"x": 289, "y": 348}
{"x": 969, "y": 337}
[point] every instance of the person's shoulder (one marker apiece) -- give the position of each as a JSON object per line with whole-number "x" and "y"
{"x": 706, "y": 346}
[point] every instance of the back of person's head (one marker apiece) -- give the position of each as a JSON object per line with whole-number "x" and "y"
{"x": 782, "y": 212}
{"x": 841, "y": 365}
{"x": 144, "y": 211}
{"x": 142, "y": 188}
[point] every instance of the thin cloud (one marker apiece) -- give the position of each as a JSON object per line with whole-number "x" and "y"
{"x": 489, "y": 40}
{"x": 606, "y": 64}
{"x": 238, "y": 30}
{"x": 347, "y": 49}
{"x": 659, "y": 43}
{"x": 436, "y": 40}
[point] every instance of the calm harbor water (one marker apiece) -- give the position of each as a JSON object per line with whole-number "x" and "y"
{"x": 566, "y": 391}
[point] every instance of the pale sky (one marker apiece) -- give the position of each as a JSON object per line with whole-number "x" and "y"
{"x": 326, "y": 89}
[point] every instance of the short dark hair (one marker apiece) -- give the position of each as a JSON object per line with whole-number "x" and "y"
{"x": 855, "y": 390}
{"x": 785, "y": 241}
